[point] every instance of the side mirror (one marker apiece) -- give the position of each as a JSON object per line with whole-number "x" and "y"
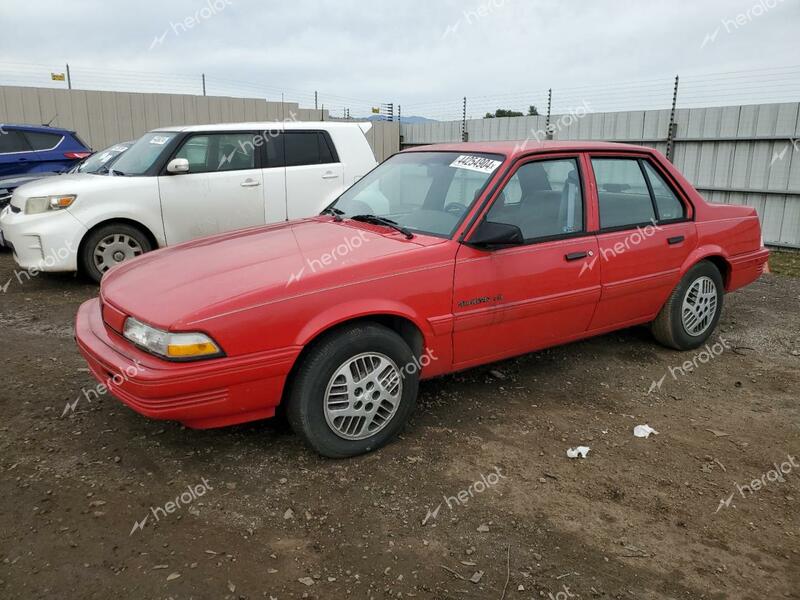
{"x": 491, "y": 235}
{"x": 178, "y": 165}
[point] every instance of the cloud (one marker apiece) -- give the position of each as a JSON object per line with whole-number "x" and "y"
{"x": 360, "y": 53}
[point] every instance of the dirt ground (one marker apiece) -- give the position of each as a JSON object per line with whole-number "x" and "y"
{"x": 266, "y": 518}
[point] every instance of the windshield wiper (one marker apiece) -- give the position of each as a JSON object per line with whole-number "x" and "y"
{"x": 375, "y": 219}
{"x": 120, "y": 173}
{"x": 332, "y": 210}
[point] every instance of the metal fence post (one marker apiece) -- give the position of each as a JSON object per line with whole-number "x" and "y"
{"x": 672, "y": 125}
{"x": 464, "y": 134}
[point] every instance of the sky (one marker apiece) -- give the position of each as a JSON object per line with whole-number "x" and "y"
{"x": 425, "y": 55}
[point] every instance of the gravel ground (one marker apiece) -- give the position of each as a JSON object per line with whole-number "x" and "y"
{"x": 476, "y": 500}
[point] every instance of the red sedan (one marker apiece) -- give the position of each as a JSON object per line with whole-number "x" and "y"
{"x": 442, "y": 258}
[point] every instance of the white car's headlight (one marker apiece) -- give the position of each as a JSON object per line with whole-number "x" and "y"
{"x": 40, "y": 204}
{"x": 173, "y": 346}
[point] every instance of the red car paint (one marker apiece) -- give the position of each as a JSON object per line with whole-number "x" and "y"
{"x": 257, "y": 292}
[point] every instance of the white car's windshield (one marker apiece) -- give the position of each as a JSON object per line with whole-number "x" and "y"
{"x": 99, "y": 162}
{"x": 138, "y": 159}
{"x": 426, "y": 192}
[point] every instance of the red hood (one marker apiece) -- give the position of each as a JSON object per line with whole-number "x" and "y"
{"x": 175, "y": 286}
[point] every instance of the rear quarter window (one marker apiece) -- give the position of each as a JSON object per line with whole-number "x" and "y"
{"x": 308, "y": 148}
{"x": 43, "y": 141}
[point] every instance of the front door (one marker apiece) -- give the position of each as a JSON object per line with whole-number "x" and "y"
{"x": 223, "y": 190}
{"x": 519, "y": 299}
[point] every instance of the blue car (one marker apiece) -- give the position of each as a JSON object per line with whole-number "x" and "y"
{"x": 39, "y": 149}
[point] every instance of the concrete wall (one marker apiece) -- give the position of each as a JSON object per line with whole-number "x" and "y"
{"x": 104, "y": 118}
{"x": 735, "y": 154}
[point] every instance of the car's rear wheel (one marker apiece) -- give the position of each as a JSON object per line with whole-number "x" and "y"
{"x": 110, "y": 245}
{"x": 692, "y": 311}
{"x": 354, "y": 390}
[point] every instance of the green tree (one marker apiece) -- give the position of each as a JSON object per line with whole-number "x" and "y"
{"x": 533, "y": 111}
{"x": 503, "y": 112}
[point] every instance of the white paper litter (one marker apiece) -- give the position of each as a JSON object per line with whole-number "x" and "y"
{"x": 580, "y": 451}
{"x": 643, "y": 431}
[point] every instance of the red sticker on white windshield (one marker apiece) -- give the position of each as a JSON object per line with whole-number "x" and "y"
{"x": 476, "y": 163}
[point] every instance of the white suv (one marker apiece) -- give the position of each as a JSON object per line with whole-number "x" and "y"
{"x": 181, "y": 183}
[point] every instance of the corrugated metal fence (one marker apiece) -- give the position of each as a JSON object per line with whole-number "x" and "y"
{"x": 104, "y": 118}
{"x": 734, "y": 154}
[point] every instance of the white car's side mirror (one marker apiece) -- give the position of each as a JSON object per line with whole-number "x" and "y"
{"x": 178, "y": 165}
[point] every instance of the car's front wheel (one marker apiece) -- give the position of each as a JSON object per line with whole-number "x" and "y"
{"x": 693, "y": 309}
{"x": 110, "y": 245}
{"x": 354, "y": 390}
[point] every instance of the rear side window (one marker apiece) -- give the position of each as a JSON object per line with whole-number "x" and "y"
{"x": 12, "y": 141}
{"x": 622, "y": 192}
{"x": 308, "y": 148}
{"x": 669, "y": 207}
{"x": 43, "y": 141}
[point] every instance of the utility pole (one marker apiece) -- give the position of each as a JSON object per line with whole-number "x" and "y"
{"x": 69, "y": 79}
{"x": 204, "y": 84}
{"x": 673, "y": 126}
{"x": 316, "y": 98}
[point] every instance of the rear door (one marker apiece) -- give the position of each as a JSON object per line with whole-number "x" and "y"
{"x": 515, "y": 300}
{"x": 314, "y": 174}
{"x": 645, "y": 235}
{"x": 223, "y": 190}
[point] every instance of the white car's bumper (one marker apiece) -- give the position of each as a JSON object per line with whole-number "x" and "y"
{"x": 45, "y": 242}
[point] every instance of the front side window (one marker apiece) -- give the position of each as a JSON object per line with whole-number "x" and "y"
{"x": 543, "y": 198}
{"x": 622, "y": 192}
{"x": 427, "y": 192}
{"x": 219, "y": 152}
{"x": 141, "y": 157}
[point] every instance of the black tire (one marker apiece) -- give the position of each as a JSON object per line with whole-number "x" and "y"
{"x": 93, "y": 242}
{"x": 669, "y": 328}
{"x": 307, "y": 396}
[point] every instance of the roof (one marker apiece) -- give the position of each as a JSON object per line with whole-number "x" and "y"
{"x": 42, "y": 128}
{"x": 515, "y": 148}
{"x": 270, "y": 126}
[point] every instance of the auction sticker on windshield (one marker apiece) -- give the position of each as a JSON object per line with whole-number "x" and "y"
{"x": 159, "y": 140}
{"x": 476, "y": 163}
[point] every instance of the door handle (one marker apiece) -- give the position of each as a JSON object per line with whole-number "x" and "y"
{"x": 250, "y": 183}
{"x": 577, "y": 255}
{"x": 675, "y": 240}
{"x": 330, "y": 175}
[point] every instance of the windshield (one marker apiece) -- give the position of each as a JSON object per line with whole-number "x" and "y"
{"x": 138, "y": 159}
{"x": 99, "y": 162}
{"x": 428, "y": 192}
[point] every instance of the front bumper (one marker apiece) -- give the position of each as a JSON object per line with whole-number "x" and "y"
{"x": 45, "y": 242}
{"x": 201, "y": 395}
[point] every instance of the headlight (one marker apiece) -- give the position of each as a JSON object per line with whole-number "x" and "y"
{"x": 42, "y": 204}
{"x": 174, "y": 346}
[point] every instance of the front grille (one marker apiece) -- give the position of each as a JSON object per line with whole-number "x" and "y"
{"x": 4, "y": 200}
